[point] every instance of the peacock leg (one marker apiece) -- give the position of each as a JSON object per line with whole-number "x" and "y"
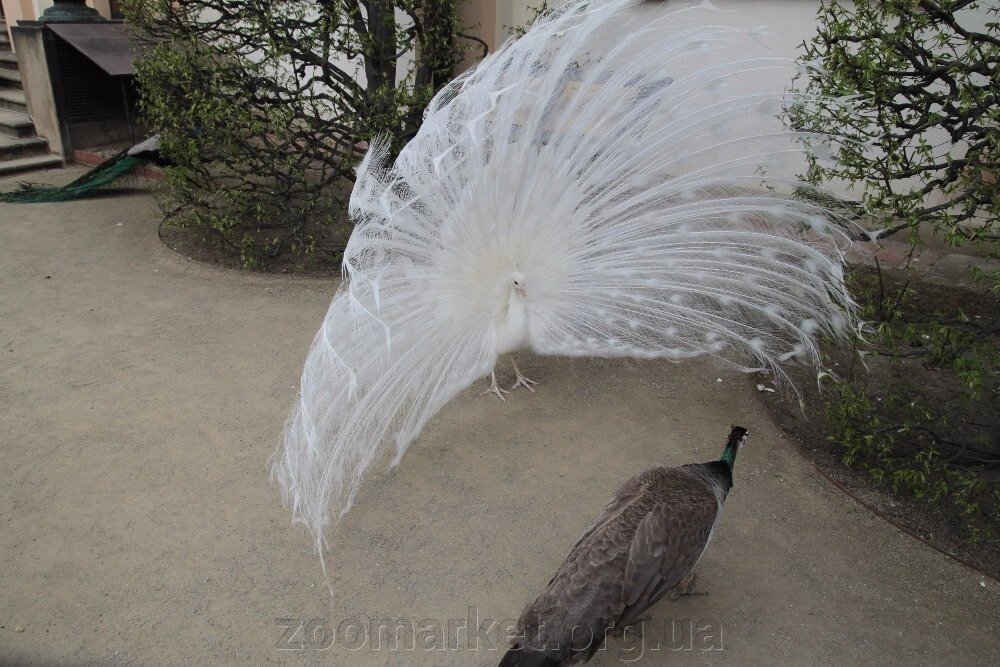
{"x": 521, "y": 380}
{"x": 495, "y": 388}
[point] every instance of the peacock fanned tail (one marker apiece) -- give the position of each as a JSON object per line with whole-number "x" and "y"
{"x": 122, "y": 165}
{"x": 629, "y": 160}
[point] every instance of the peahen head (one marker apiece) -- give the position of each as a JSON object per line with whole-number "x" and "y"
{"x": 518, "y": 284}
{"x": 737, "y": 437}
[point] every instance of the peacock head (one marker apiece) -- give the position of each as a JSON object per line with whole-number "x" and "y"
{"x": 518, "y": 284}
{"x": 737, "y": 438}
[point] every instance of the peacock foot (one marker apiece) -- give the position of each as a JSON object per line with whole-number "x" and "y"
{"x": 495, "y": 388}
{"x": 522, "y": 381}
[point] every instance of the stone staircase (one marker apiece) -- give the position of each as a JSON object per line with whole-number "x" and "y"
{"x": 20, "y": 148}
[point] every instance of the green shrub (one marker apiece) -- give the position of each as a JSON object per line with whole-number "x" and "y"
{"x": 265, "y": 108}
{"x": 911, "y": 91}
{"x": 919, "y": 411}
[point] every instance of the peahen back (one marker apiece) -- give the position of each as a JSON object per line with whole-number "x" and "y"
{"x": 630, "y": 160}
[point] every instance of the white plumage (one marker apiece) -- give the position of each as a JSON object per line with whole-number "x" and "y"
{"x": 594, "y": 188}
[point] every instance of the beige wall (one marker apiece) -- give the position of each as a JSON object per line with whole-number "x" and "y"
{"x": 792, "y": 20}
{"x": 13, "y": 10}
{"x": 490, "y": 20}
{"x": 480, "y": 15}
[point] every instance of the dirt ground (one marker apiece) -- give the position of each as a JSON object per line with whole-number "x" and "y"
{"x": 143, "y": 393}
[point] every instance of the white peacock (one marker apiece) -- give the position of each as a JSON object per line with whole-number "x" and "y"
{"x": 593, "y": 188}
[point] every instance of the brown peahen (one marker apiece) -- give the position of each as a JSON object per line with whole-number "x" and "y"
{"x": 647, "y": 540}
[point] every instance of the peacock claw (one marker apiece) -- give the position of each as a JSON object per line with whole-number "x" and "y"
{"x": 498, "y": 391}
{"x": 495, "y": 389}
{"x": 523, "y": 382}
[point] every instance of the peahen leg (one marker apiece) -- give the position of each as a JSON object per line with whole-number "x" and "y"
{"x": 521, "y": 380}
{"x": 495, "y": 388}
{"x": 637, "y": 627}
{"x": 685, "y": 587}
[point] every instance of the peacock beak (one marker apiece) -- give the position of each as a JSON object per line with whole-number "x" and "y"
{"x": 520, "y": 290}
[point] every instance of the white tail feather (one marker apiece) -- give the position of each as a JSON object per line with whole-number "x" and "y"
{"x": 612, "y": 158}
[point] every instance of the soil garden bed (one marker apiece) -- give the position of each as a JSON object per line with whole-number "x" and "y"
{"x": 969, "y": 430}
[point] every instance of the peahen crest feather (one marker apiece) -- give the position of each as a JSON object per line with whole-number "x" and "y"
{"x": 615, "y": 157}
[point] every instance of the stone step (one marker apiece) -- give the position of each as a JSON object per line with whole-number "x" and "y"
{"x": 8, "y": 60}
{"x": 16, "y": 124}
{"x": 12, "y": 148}
{"x": 13, "y": 100}
{"x": 29, "y": 163}
{"x": 10, "y": 78}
